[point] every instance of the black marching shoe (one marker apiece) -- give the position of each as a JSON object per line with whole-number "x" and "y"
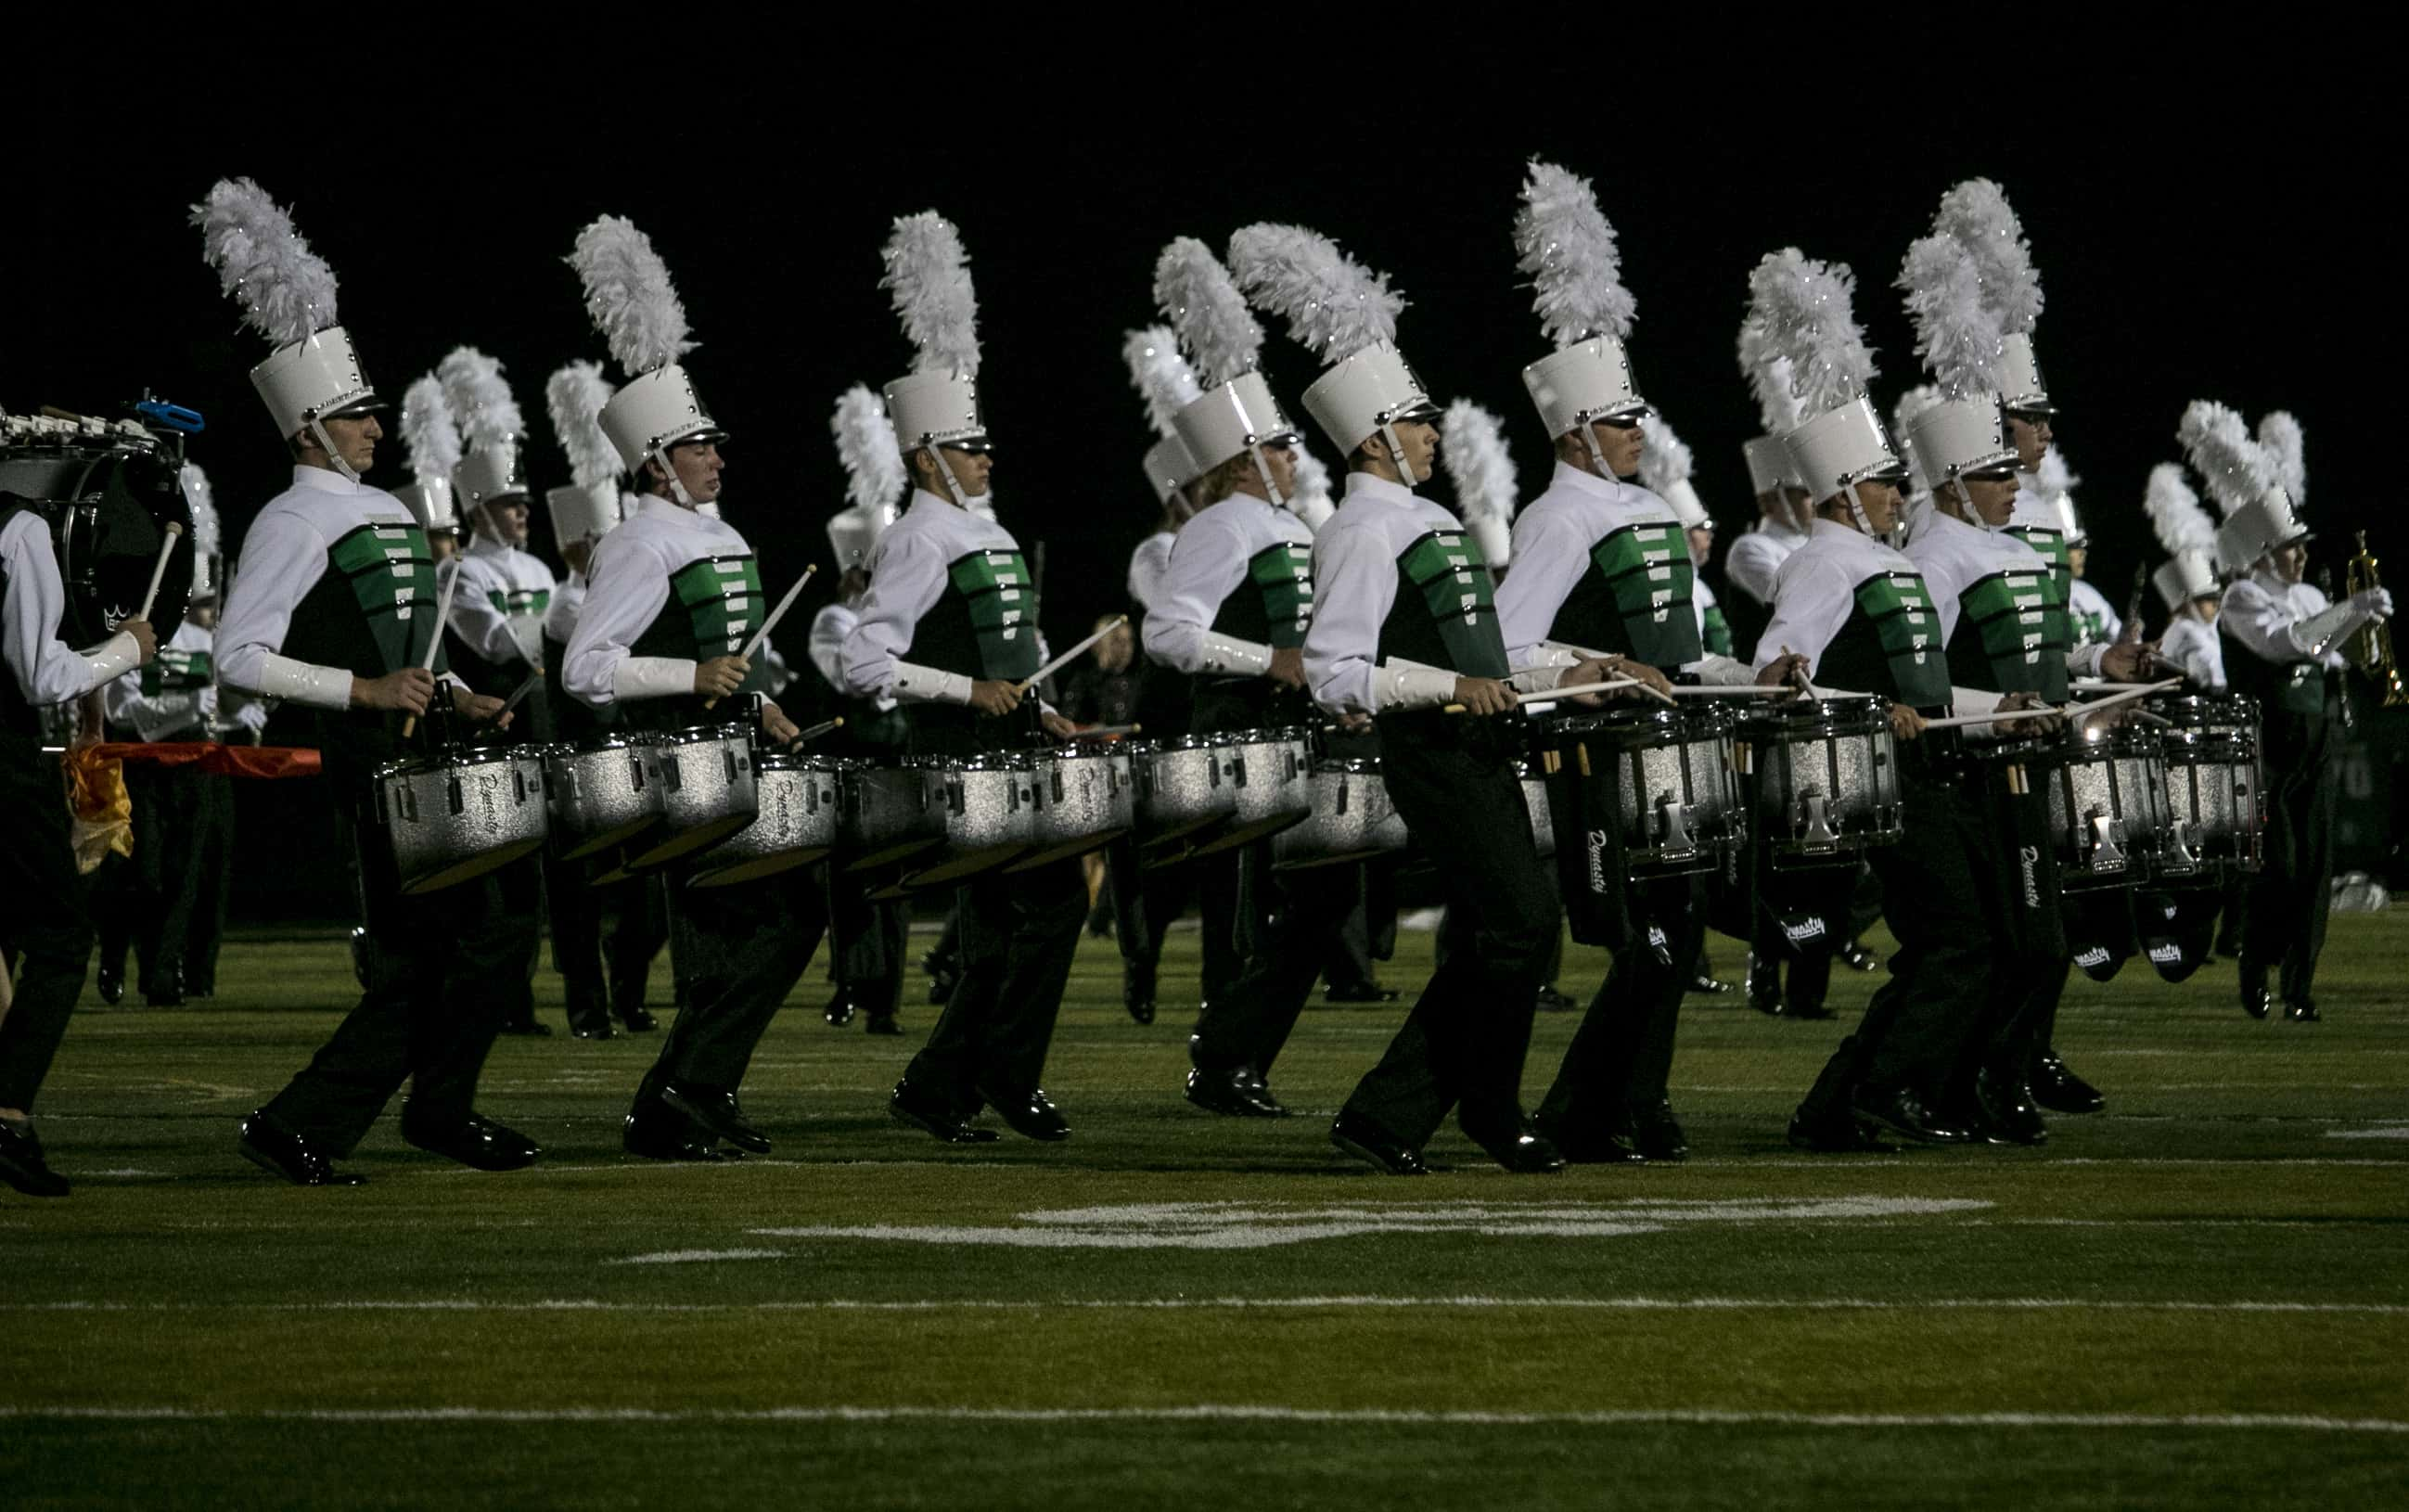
{"x": 944, "y": 972}
{"x": 359, "y": 946}
{"x": 1552, "y": 1002}
{"x": 2006, "y": 1111}
{"x": 716, "y": 1109}
{"x": 1903, "y": 1113}
{"x": 1232, "y": 1091}
{"x": 2060, "y": 1090}
{"x": 1764, "y": 985}
{"x": 271, "y": 1146}
{"x": 1657, "y": 1134}
{"x": 589, "y": 1015}
{"x": 528, "y": 1027}
{"x": 2302, "y": 1011}
{"x": 839, "y": 1012}
{"x": 652, "y": 1132}
{"x": 1589, "y": 1147}
{"x": 910, "y": 1105}
{"x": 1363, "y": 991}
{"x": 1374, "y": 1145}
{"x": 1524, "y": 1152}
{"x": 882, "y": 1021}
{"x": 1839, "y": 1134}
{"x": 111, "y": 984}
{"x": 21, "y": 1165}
{"x": 1032, "y": 1115}
{"x": 1856, "y": 957}
{"x": 168, "y": 990}
{"x": 2256, "y": 999}
{"x": 1707, "y": 984}
{"x": 1137, "y": 989}
{"x": 627, "y": 1006}
{"x": 477, "y": 1143}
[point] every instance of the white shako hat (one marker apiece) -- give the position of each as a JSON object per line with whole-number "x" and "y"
{"x": 1563, "y": 241}
{"x": 1166, "y": 383}
{"x": 631, "y": 301}
{"x": 287, "y": 294}
{"x": 1472, "y": 448}
{"x": 492, "y": 431}
{"x": 430, "y": 438}
{"x": 1234, "y": 414}
{"x": 875, "y": 480}
{"x": 1767, "y": 372}
{"x": 2184, "y": 529}
{"x": 1976, "y": 214}
{"x": 1962, "y": 431}
{"x": 590, "y": 503}
{"x": 936, "y": 404}
{"x": 1666, "y": 464}
{"x": 201, "y": 502}
{"x": 1803, "y": 308}
{"x": 2246, "y": 479}
{"x": 1346, "y": 315}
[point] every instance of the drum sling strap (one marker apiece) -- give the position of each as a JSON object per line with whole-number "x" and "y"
{"x": 2016, "y": 806}
{"x": 1585, "y": 807}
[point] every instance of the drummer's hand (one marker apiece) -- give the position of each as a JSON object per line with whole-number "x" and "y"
{"x": 993, "y": 696}
{"x": 1288, "y": 667}
{"x": 2130, "y": 663}
{"x": 145, "y": 637}
{"x": 1483, "y": 695}
{"x": 1786, "y": 671}
{"x": 1056, "y": 725}
{"x": 2050, "y": 726}
{"x": 1905, "y": 723}
{"x": 406, "y": 691}
{"x": 721, "y": 676}
{"x": 776, "y": 725}
{"x": 1354, "y": 721}
{"x": 479, "y": 708}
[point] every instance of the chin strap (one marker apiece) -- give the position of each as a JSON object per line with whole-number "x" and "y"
{"x": 1263, "y": 470}
{"x": 318, "y": 430}
{"x": 946, "y": 471}
{"x": 1396, "y": 454}
{"x": 677, "y": 489}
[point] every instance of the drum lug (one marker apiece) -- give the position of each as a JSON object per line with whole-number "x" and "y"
{"x": 2107, "y": 854}
{"x": 1819, "y": 835}
{"x": 451, "y": 790}
{"x": 2181, "y": 855}
{"x": 1676, "y": 844}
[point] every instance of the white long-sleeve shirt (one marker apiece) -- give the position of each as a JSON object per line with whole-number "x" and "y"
{"x": 627, "y": 586}
{"x": 2095, "y": 621}
{"x": 1756, "y": 558}
{"x": 910, "y": 570}
{"x": 560, "y": 615}
{"x": 47, "y": 669}
{"x": 1149, "y": 563}
{"x": 2271, "y": 617}
{"x": 499, "y": 604}
{"x": 1212, "y": 557}
{"x": 1815, "y": 597}
{"x": 284, "y": 553}
{"x": 2196, "y": 648}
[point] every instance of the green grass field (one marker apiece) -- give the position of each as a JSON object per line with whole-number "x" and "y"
{"x": 2200, "y": 1297}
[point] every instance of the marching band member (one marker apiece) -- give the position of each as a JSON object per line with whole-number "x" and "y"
{"x": 334, "y": 612}
{"x": 1232, "y": 615}
{"x": 671, "y": 597}
{"x": 2095, "y": 621}
{"x": 2186, "y": 583}
{"x": 2284, "y": 650}
{"x": 1404, "y": 624}
{"x": 1783, "y": 509}
{"x": 948, "y": 586}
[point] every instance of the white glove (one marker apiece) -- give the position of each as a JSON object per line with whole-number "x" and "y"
{"x": 2374, "y": 603}
{"x": 208, "y": 698}
{"x": 252, "y": 717}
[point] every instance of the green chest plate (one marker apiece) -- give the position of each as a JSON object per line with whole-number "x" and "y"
{"x": 722, "y": 600}
{"x": 1001, "y": 604}
{"x": 1716, "y": 633}
{"x": 518, "y": 603}
{"x": 1282, "y": 577}
{"x": 390, "y": 570}
{"x": 1444, "y": 614}
{"x": 2051, "y": 544}
{"x": 2005, "y": 640}
{"x": 1646, "y": 573}
{"x": 1890, "y": 643}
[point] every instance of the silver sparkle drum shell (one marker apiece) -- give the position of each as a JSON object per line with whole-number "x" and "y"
{"x": 1270, "y": 768}
{"x": 1820, "y": 779}
{"x": 708, "y": 793}
{"x": 1086, "y": 799}
{"x": 2214, "y": 794}
{"x": 1534, "y": 803}
{"x": 1348, "y": 818}
{"x": 2106, "y": 792}
{"x": 890, "y": 814}
{"x": 603, "y": 791}
{"x": 1677, "y": 798}
{"x": 795, "y": 823}
{"x": 450, "y": 819}
{"x": 1184, "y": 785}
{"x": 991, "y": 807}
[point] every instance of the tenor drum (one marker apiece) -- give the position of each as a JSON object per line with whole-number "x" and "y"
{"x": 108, "y": 500}
{"x": 1184, "y": 785}
{"x": 1086, "y": 799}
{"x": 990, "y": 813}
{"x": 707, "y": 792}
{"x": 603, "y": 791}
{"x": 2107, "y": 795}
{"x": 2212, "y": 814}
{"x": 1677, "y": 803}
{"x": 1349, "y": 818}
{"x": 454, "y": 817}
{"x": 1269, "y": 771}
{"x": 888, "y": 814}
{"x": 1822, "y": 779}
{"x": 795, "y": 826}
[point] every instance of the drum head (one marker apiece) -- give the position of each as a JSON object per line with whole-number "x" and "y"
{"x": 889, "y": 853}
{"x": 468, "y": 869}
{"x": 960, "y": 866}
{"x": 756, "y": 868}
{"x": 1068, "y": 849}
{"x": 108, "y": 512}
{"x": 1239, "y": 835}
{"x": 597, "y": 844}
{"x": 690, "y": 841}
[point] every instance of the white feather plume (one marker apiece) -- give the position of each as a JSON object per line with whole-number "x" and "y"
{"x": 428, "y": 432}
{"x": 1769, "y": 381}
{"x": 202, "y": 501}
{"x": 481, "y": 403}
{"x": 287, "y": 291}
{"x": 1958, "y": 340}
{"x": 1803, "y": 306}
{"x": 2237, "y": 468}
{"x": 628, "y": 295}
{"x": 2053, "y": 477}
{"x": 574, "y": 396}
{"x": 1565, "y": 243}
{"x": 1158, "y": 373}
{"x": 866, "y": 444}
{"x": 1333, "y": 305}
{"x": 1196, "y": 294}
{"x": 1310, "y": 496}
{"x": 1977, "y": 214}
{"x": 1910, "y": 408}
{"x": 929, "y": 277}
{"x": 2287, "y": 444}
{"x": 1663, "y": 457}
{"x": 2175, "y": 515}
{"x": 1472, "y": 445}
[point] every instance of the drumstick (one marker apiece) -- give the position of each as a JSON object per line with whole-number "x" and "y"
{"x": 1065, "y": 659}
{"x": 2093, "y": 685}
{"x": 768, "y": 624}
{"x": 1109, "y": 730}
{"x": 817, "y": 730}
{"x": 1954, "y": 720}
{"x": 1600, "y": 655}
{"x": 520, "y": 692}
{"x": 1805, "y": 684}
{"x": 1550, "y": 695}
{"x": 2098, "y": 704}
{"x": 435, "y": 640}
{"x": 159, "y": 569}
{"x": 1733, "y": 690}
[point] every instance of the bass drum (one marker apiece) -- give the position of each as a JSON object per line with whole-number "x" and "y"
{"x": 109, "y": 506}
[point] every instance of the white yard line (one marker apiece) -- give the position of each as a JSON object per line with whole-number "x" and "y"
{"x": 1308, "y": 1304}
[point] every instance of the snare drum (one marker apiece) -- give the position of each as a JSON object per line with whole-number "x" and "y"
{"x": 1269, "y": 769}
{"x": 2106, "y": 793}
{"x": 1086, "y": 799}
{"x": 1183, "y": 785}
{"x": 1350, "y": 820}
{"x": 2211, "y": 751}
{"x": 990, "y": 814}
{"x": 795, "y": 826}
{"x": 454, "y": 817}
{"x": 890, "y": 814}
{"x": 1822, "y": 779}
{"x": 602, "y": 791}
{"x": 707, "y": 792}
{"x": 1677, "y": 803}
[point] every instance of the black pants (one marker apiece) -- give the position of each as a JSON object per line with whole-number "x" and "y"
{"x": 2285, "y": 925}
{"x": 1017, "y": 935}
{"x": 44, "y": 922}
{"x": 746, "y": 947}
{"x": 1245, "y": 1023}
{"x": 519, "y": 892}
{"x": 1622, "y": 1055}
{"x": 576, "y": 911}
{"x": 431, "y": 1008}
{"x": 1465, "y": 1041}
{"x": 868, "y": 941}
{"x": 167, "y": 899}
